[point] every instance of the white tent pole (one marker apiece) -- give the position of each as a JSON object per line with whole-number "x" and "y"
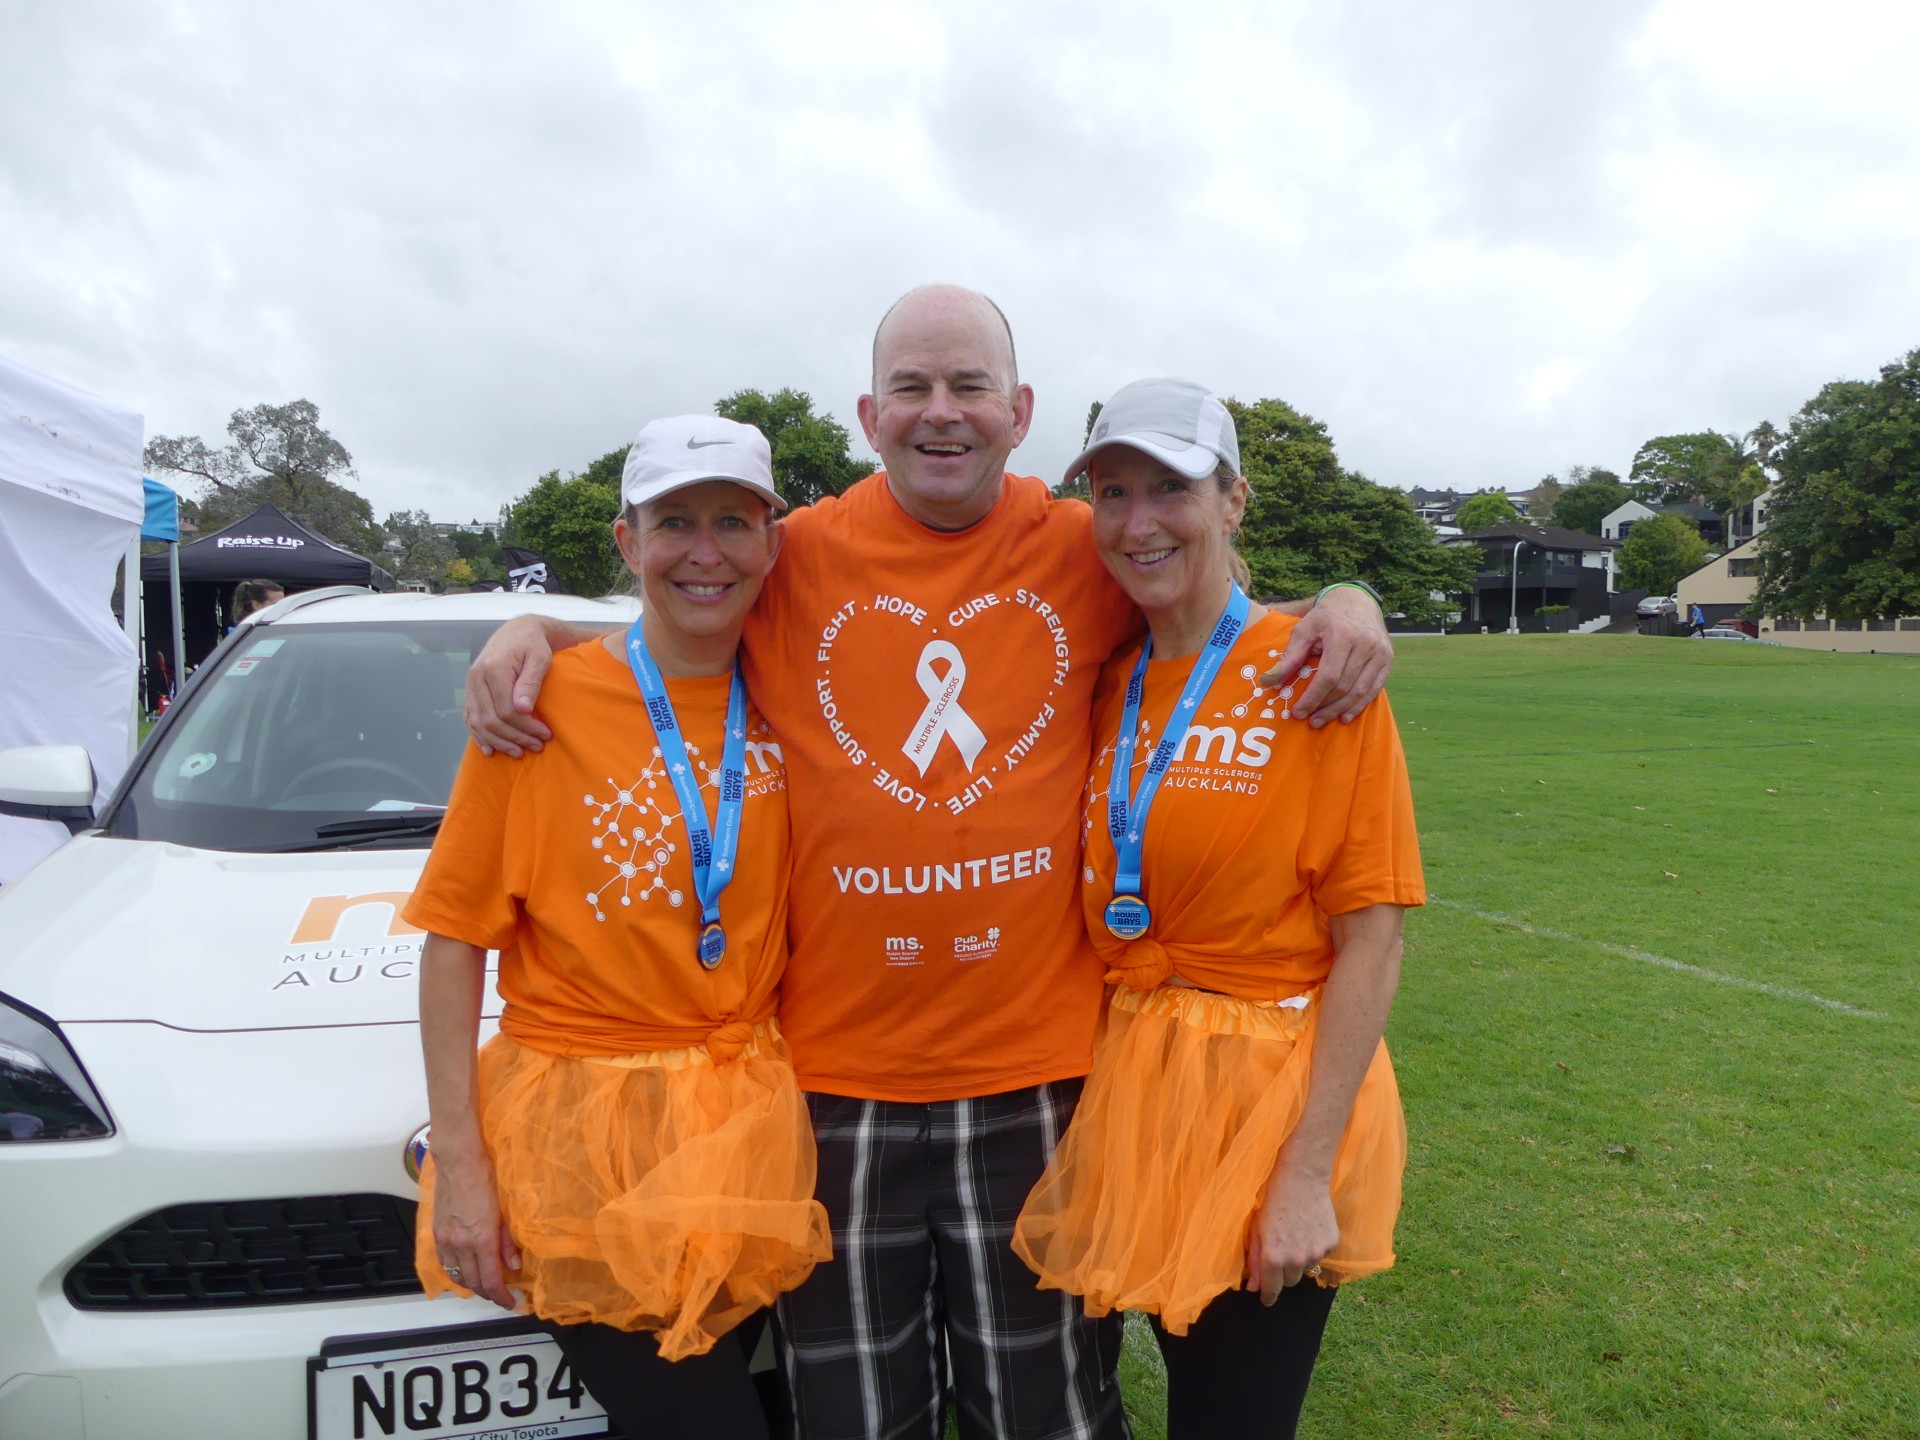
{"x": 179, "y": 640}
{"x": 130, "y": 617}
{"x": 130, "y": 592}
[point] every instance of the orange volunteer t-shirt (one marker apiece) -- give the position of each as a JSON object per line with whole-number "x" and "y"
{"x": 1262, "y": 829}
{"x": 932, "y": 692}
{"x": 573, "y": 863}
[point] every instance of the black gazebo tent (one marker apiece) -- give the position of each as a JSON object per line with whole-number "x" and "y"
{"x": 266, "y": 545}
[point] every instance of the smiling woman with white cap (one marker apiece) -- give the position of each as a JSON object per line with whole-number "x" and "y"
{"x": 1244, "y": 879}
{"x": 631, "y": 1153}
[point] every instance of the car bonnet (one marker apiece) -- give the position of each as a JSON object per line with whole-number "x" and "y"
{"x": 106, "y": 930}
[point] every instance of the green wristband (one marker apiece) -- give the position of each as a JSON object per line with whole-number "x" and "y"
{"x": 1352, "y": 585}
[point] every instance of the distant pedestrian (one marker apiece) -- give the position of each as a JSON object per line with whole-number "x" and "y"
{"x": 252, "y": 595}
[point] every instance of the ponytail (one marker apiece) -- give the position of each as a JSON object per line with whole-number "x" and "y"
{"x": 1236, "y": 562}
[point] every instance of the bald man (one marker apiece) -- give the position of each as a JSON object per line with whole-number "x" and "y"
{"x": 927, "y": 650}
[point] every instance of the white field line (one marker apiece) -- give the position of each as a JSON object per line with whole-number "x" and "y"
{"x": 1665, "y": 962}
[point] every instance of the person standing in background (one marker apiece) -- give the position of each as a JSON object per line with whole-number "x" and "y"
{"x": 252, "y": 595}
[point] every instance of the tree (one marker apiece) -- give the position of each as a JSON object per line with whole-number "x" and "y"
{"x": 1734, "y": 486}
{"x": 1675, "y": 468}
{"x": 416, "y": 552}
{"x": 280, "y": 456}
{"x": 810, "y": 458}
{"x": 1309, "y": 523}
{"x": 1764, "y": 442}
{"x": 1843, "y": 528}
{"x": 607, "y": 471}
{"x": 1484, "y": 510}
{"x": 1585, "y": 503}
{"x": 1580, "y": 474}
{"x": 480, "y": 554}
{"x": 1659, "y": 551}
{"x": 570, "y": 522}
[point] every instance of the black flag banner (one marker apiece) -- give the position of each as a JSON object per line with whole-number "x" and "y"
{"x": 528, "y": 570}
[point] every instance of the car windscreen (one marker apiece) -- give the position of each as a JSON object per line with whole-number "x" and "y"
{"x": 311, "y": 736}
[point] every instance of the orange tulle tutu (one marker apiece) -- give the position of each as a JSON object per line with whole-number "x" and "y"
{"x": 657, "y": 1191}
{"x": 1147, "y": 1203}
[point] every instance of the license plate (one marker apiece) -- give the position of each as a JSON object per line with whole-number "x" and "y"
{"x": 503, "y": 1380}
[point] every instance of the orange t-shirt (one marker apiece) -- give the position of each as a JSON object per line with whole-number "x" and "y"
{"x": 1262, "y": 829}
{"x": 931, "y": 692}
{"x": 573, "y": 863}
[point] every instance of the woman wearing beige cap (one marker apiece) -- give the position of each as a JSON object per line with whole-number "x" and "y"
{"x": 1238, "y": 1150}
{"x": 630, "y": 1158}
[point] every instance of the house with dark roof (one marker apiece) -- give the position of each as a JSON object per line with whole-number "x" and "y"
{"x": 1527, "y": 568}
{"x": 1711, "y": 524}
{"x": 1441, "y": 508}
{"x": 1436, "y": 507}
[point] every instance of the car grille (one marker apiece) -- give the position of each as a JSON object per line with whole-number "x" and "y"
{"x": 253, "y": 1252}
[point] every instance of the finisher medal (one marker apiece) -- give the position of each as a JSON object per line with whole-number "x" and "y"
{"x": 712, "y": 853}
{"x": 1127, "y": 915}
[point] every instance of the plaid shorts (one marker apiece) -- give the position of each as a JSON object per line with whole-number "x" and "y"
{"x": 923, "y": 1198}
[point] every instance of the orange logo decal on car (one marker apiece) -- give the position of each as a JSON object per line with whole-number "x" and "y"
{"x": 324, "y": 912}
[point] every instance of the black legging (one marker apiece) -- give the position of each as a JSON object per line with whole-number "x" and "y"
{"x": 1242, "y": 1369}
{"x": 703, "y": 1397}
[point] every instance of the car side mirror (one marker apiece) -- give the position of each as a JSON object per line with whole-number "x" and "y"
{"x": 48, "y": 782}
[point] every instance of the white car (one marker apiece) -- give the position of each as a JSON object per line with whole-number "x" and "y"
{"x": 211, "y": 1097}
{"x": 1658, "y": 605}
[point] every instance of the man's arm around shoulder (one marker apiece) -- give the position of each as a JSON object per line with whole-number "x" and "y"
{"x": 1343, "y": 634}
{"x": 505, "y": 678}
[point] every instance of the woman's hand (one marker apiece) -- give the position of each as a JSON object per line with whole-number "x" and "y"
{"x": 468, "y": 1234}
{"x": 1345, "y": 638}
{"x": 1294, "y": 1231}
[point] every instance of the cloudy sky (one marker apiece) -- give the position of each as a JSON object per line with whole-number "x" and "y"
{"x": 1481, "y": 240}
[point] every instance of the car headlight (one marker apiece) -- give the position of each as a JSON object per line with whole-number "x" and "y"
{"x": 44, "y": 1091}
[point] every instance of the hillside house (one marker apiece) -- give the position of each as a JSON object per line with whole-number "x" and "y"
{"x": 1555, "y": 567}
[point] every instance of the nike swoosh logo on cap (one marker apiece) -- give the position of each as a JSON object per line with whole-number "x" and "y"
{"x": 705, "y": 444}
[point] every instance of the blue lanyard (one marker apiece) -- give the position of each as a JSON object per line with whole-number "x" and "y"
{"x": 713, "y": 854}
{"x": 1127, "y": 914}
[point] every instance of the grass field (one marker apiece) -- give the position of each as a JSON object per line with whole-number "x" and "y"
{"x": 1659, "y": 1042}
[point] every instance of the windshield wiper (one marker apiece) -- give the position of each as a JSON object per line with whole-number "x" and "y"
{"x": 341, "y": 833}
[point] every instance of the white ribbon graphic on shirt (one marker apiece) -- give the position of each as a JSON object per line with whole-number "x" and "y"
{"x": 943, "y": 715}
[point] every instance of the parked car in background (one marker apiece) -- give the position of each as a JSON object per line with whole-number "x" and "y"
{"x": 1745, "y": 627}
{"x": 1658, "y": 605}
{"x": 212, "y": 1108}
{"x": 1727, "y": 632}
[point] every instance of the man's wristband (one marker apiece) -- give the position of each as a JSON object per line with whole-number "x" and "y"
{"x": 1354, "y": 585}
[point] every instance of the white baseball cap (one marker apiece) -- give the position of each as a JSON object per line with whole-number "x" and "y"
{"x": 1180, "y": 423}
{"x": 683, "y": 450}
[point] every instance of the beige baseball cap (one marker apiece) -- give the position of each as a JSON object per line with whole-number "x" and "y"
{"x": 1180, "y": 423}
